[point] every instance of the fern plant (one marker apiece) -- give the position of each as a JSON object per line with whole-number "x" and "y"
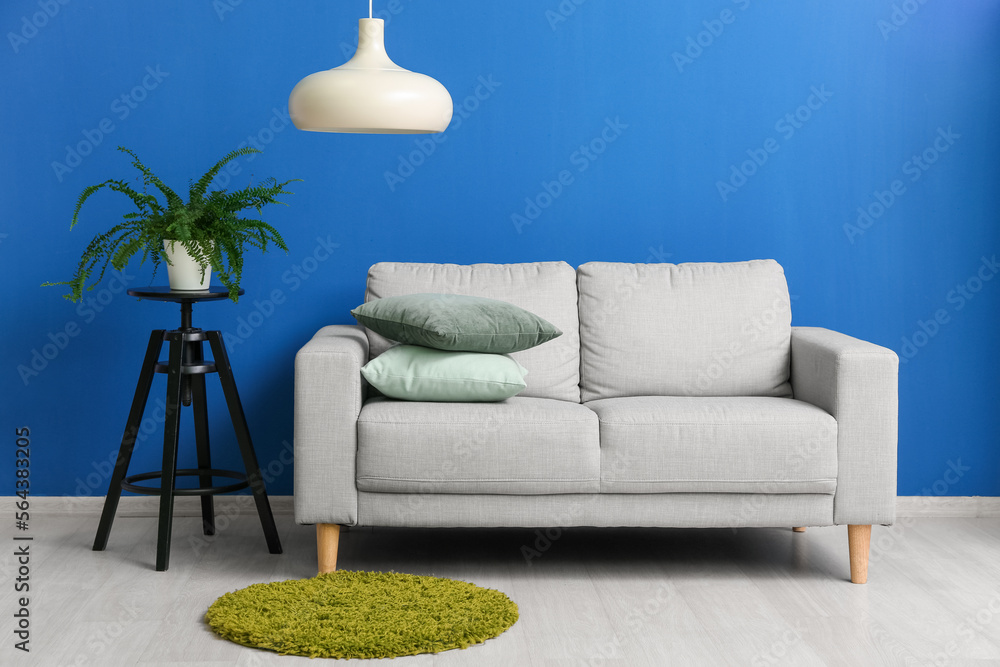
{"x": 209, "y": 226}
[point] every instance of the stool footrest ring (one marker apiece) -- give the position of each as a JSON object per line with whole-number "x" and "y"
{"x": 129, "y": 483}
{"x": 200, "y": 368}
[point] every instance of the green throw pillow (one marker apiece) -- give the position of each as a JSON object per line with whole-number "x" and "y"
{"x": 455, "y": 322}
{"x": 416, "y": 373}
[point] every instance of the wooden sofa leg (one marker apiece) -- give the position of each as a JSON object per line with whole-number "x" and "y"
{"x": 799, "y": 529}
{"x": 858, "y": 539}
{"x": 327, "y": 542}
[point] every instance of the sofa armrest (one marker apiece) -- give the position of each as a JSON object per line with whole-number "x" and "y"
{"x": 329, "y": 392}
{"x": 857, "y": 383}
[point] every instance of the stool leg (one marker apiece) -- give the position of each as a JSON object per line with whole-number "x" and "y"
{"x": 243, "y": 439}
{"x": 171, "y": 431}
{"x": 200, "y": 405}
{"x": 194, "y": 354}
{"x": 146, "y": 374}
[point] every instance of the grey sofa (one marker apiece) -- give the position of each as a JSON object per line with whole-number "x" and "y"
{"x": 678, "y": 395}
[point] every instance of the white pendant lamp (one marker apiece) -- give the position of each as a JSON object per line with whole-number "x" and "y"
{"x": 370, "y": 93}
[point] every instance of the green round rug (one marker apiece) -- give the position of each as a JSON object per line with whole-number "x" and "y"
{"x": 361, "y": 615}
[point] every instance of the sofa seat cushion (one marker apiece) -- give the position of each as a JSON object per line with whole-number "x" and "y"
{"x": 680, "y": 444}
{"x": 684, "y": 329}
{"x": 518, "y": 446}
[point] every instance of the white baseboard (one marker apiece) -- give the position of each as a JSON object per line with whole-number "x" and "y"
{"x": 948, "y": 506}
{"x": 146, "y": 506}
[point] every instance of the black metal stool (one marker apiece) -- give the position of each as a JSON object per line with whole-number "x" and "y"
{"x": 185, "y": 368}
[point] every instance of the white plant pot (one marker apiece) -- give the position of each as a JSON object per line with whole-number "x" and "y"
{"x": 183, "y": 271}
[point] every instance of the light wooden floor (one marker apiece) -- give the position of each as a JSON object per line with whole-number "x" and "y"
{"x": 594, "y": 597}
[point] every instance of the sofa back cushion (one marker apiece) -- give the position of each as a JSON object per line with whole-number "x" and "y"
{"x": 547, "y": 289}
{"x": 684, "y": 329}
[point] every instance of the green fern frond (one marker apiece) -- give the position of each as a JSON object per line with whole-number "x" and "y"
{"x": 198, "y": 189}
{"x": 101, "y": 251}
{"x": 84, "y": 196}
{"x": 173, "y": 201}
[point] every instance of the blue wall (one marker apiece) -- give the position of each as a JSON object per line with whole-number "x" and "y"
{"x": 890, "y": 109}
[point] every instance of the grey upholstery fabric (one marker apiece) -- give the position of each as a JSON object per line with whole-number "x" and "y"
{"x": 681, "y": 510}
{"x": 328, "y": 397}
{"x": 501, "y": 466}
{"x": 856, "y": 382}
{"x": 547, "y": 289}
{"x": 684, "y": 329}
{"x": 663, "y": 444}
{"x": 518, "y": 446}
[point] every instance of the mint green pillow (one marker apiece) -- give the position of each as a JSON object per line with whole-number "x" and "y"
{"x": 455, "y": 322}
{"x": 416, "y": 373}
